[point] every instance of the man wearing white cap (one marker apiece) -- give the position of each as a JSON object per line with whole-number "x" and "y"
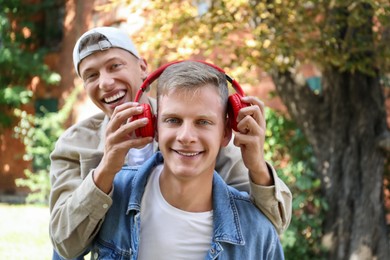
{"x": 89, "y": 154}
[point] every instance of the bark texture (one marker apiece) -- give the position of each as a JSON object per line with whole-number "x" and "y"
{"x": 343, "y": 124}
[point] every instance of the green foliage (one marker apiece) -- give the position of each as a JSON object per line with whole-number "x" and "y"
{"x": 20, "y": 59}
{"x": 289, "y": 151}
{"x": 39, "y": 185}
{"x": 39, "y": 135}
{"x": 21, "y": 64}
{"x": 15, "y": 96}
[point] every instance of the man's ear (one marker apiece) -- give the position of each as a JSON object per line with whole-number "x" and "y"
{"x": 227, "y": 134}
{"x": 144, "y": 68}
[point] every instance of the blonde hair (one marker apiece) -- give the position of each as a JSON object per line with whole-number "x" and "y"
{"x": 190, "y": 76}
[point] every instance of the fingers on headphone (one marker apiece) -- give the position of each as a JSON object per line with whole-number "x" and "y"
{"x": 122, "y": 115}
{"x": 256, "y": 103}
{"x": 248, "y": 125}
{"x": 252, "y": 111}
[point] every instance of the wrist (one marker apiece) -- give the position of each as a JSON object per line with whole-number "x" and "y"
{"x": 262, "y": 176}
{"x": 103, "y": 179}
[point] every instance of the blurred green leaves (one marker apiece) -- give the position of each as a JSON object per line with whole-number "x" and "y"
{"x": 289, "y": 151}
{"x": 39, "y": 134}
{"x": 21, "y": 58}
{"x": 15, "y": 96}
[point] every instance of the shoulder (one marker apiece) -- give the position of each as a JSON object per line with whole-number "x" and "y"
{"x": 124, "y": 178}
{"x": 239, "y": 196}
{"x": 122, "y": 189}
{"x": 257, "y": 230}
{"x": 87, "y": 129}
{"x": 126, "y": 175}
{"x": 92, "y": 123}
{"x": 229, "y": 152}
{"x": 131, "y": 180}
{"x": 248, "y": 212}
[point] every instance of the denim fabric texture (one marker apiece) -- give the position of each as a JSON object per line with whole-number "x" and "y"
{"x": 241, "y": 231}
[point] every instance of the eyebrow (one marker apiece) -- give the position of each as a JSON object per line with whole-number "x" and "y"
{"x": 173, "y": 114}
{"x": 112, "y": 59}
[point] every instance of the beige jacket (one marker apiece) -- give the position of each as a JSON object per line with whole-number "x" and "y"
{"x": 78, "y": 207}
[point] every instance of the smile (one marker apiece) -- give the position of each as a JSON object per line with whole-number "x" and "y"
{"x": 188, "y": 154}
{"x": 115, "y": 97}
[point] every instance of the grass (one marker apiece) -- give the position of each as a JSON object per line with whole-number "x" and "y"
{"x": 24, "y": 232}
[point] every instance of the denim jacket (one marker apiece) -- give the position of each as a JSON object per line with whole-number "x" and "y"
{"x": 241, "y": 231}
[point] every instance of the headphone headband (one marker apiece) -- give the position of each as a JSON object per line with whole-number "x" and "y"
{"x": 154, "y": 75}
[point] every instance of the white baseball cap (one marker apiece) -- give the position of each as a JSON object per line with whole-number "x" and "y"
{"x": 115, "y": 38}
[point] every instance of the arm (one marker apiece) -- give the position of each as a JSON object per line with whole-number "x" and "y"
{"x": 274, "y": 201}
{"x": 77, "y": 206}
{"x": 83, "y": 166}
{"x": 268, "y": 192}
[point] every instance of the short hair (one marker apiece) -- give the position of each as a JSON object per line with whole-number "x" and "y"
{"x": 91, "y": 39}
{"x": 189, "y": 76}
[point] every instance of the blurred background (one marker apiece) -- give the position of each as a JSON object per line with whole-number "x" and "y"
{"x": 320, "y": 66}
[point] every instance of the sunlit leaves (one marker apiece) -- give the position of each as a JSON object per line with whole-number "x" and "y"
{"x": 15, "y": 96}
{"x": 279, "y": 33}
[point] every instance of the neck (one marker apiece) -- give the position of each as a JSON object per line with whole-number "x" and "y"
{"x": 191, "y": 196}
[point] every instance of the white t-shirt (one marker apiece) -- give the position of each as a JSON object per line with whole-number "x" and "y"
{"x": 136, "y": 157}
{"x": 170, "y": 233}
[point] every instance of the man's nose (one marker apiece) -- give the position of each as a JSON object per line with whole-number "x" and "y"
{"x": 106, "y": 82}
{"x": 186, "y": 133}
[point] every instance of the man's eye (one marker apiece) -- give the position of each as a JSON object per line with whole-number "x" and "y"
{"x": 172, "y": 121}
{"x": 89, "y": 76}
{"x": 204, "y": 122}
{"x": 116, "y": 65}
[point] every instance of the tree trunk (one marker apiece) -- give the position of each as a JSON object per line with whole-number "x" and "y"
{"x": 343, "y": 124}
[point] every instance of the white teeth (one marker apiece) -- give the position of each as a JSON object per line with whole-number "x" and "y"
{"x": 114, "y": 97}
{"x": 187, "y": 154}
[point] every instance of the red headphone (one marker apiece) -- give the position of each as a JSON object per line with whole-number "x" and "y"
{"x": 234, "y": 101}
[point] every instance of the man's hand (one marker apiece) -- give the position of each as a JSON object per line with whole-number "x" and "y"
{"x": 120, "y": 138}
{"x": 250, "y": 138}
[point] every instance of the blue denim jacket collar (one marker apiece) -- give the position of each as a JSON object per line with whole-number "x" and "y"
{"x": 226, "y": 219}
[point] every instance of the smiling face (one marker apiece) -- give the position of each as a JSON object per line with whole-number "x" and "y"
{"x": 112, "y": 77}
{"x": 191, "y": 129}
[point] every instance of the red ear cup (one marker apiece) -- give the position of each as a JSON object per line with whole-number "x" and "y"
{"x": 234, "y": 106}
{"x": 147, "y": 130}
